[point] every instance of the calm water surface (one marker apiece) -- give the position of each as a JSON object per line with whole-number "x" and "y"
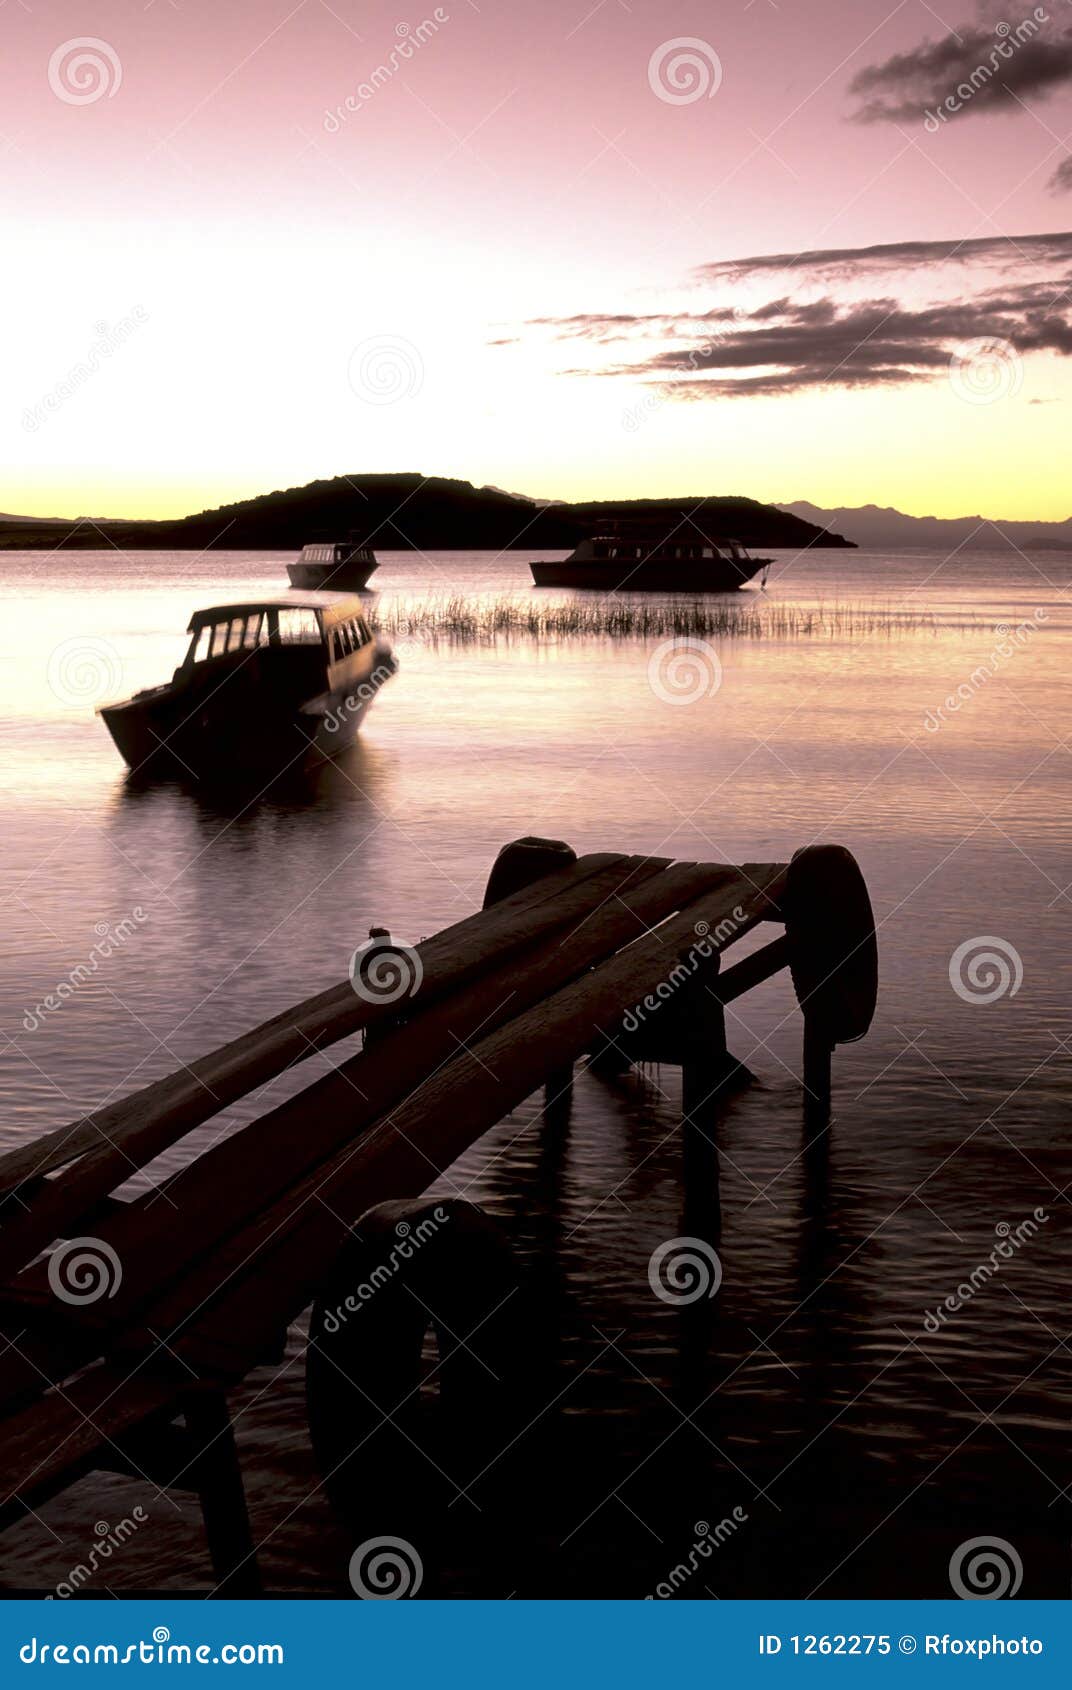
{"x": 861, "y": 1449}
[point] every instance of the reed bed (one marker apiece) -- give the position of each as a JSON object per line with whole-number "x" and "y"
{"x": 456, "y": 619}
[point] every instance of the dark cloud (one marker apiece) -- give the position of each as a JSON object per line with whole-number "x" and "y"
{"x": 788, "y": 345}
{"x": 1061, "y": 180}
{"x": 974, "y": 70}
{"x": 846, "y": 263}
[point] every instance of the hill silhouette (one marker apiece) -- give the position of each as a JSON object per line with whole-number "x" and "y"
{"x": 408, "y": 512}
{"x": 877, "y": 527}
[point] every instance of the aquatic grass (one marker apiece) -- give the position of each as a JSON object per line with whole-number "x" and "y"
{"x": 477, "y": 620}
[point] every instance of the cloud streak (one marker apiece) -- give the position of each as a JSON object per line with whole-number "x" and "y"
{"x": 973, "y": 70}
{"x": 1061, "y": 180}
{"x": 845, "y": 263}
{"x": 841, "y": 337}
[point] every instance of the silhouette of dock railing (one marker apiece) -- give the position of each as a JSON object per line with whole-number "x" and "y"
{"x": 123, "y": 1341}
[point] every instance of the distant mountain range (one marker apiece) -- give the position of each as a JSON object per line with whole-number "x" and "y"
{"x": 412, "y": 512}
{"x": 876, "y": 528}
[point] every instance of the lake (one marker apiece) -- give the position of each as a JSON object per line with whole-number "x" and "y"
{"x": 861, "y": 1447}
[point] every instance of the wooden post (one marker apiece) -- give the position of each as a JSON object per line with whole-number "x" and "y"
{"x": 218, "y": 1477}
{"x": 700, "y": 1086}
{"x": 517, "y": 866}
{"x": 833, "y": 958}
{"x": 817, "y": 1082}
{"x": 705, "y": 1071}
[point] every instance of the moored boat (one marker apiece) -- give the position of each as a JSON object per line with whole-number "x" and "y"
{"x": 636, "y": 558}
{"x": 342, "y": 566}
{"x": 265, "y": 686}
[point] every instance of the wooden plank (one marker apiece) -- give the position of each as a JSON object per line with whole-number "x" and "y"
{"x": 268, "y": 1273}
{"x": 489, "y": 938}
{"x": 754, "y": 969}
{"x": 203, "y": 1088}
{"x": 49, "y": 1444}
{"x": 230, "y": 1185}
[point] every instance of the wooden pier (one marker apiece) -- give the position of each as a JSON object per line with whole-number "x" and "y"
{"x": 173, "y": 1297}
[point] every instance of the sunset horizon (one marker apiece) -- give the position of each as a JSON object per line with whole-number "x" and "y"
{"x": 301, "y": 246}
{"x": 535, "y": 735}
{"x": 150, "y": 508}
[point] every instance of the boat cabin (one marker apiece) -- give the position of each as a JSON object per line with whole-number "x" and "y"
{"x": 338, "y": 552}
{"x": 330, "y": 627}
{"x": 626, "y": 551}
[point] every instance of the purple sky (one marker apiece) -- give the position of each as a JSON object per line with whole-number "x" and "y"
{"x": 262, "y": 291}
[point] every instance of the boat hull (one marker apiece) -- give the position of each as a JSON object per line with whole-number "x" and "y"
{"x": 609, "y": 575}
{"x": 346, "y": 577}
{"x": 240, "y": 729}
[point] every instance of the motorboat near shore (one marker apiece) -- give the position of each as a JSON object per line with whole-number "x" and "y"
{"x": 646, "y": 559}
{"x": 265, "y": 687}
{"x": 341, "y": 566}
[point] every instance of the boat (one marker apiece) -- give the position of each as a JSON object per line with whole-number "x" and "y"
{"x": 632, "y": 557}
{"x": 266, "y": 686}
{"x": 343, "y": 566}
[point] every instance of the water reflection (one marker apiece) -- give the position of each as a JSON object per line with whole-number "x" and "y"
{"x": 297, "y": 831}
{"x": 950, "y": 1118}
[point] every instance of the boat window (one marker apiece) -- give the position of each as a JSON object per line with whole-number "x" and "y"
{"x": 299, "y": 627}
{"x": 253, "y": 629}
{"x": 234, "y": 638}
{"x": 219, "y": 638}
{"x": 204, "y": 639}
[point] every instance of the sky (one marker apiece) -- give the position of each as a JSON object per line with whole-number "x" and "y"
{"x": 580, "y": 248}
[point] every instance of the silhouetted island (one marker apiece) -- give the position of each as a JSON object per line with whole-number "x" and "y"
{"x": 409, "y": 512}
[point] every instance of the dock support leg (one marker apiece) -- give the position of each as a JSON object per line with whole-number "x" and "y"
{"x": 558, "y": 1097}
{"x": 222, "y": 1494}
{"x": 701, "y": 1077}
{"x": 817, "y": 1083}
